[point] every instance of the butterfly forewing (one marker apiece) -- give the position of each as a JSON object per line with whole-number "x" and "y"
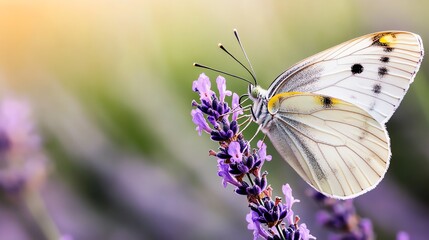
{"x": 337, "y": 147}
{"x": 373, "y": 72}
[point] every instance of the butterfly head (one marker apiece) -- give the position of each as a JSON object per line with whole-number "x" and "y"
{"x": 256, "y": 92}
{"x": 259, "y": 96}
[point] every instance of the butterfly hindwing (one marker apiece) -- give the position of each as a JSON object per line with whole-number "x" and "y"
{"x": 337, "y": 147}
{"x": 373, "y": 72}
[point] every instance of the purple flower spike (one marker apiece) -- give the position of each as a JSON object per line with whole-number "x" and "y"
{"x": 240, "y": 165}
{"x": 202, "y": 85}
{"x": 340, "y": 217}
{"x": 23, "y": 163}
{"x": 262, "y": 152}
{"x": 236, "y": 109}
{"x": 234, "y": 151}
{"x": 221, "y": 85}
{"x": 200, "y": 121}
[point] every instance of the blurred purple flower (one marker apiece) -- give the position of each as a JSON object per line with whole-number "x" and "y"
{"x": 22, "y": 162}
{"x": 340, "y": 217}
{"x": 66, "y": 237}
{"x": 237, "y": 160}
{"x": 402, "y": 236}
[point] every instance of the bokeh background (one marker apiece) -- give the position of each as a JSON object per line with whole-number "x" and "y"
{"x": 109, "y": 84}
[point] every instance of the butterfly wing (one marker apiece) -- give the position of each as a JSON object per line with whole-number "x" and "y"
{"x": 373, "y": 72}
{"x": 337, "y": 147}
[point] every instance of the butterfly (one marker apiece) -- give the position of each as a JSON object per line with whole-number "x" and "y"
{"x": 326, "y": 115}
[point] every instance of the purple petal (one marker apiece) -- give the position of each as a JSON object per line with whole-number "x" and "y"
{"x": 289, "y": 199}
{"x": 236, "y": 109}
{"x": 366, "y": 226}
{"x": 223, "y": 171}
{"x": 235, "y": 152}
{"x": 289, "y": 217}
{"x": 200, "y": 121}
{"x": 202, "y": 85}
{"x": 305, "y": 233}
{"x": 255, "y": 225}
{"x": 221, "y": 85}
{"x": 262, "y": 152}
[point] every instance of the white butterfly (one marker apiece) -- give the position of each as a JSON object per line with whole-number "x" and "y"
{"x": 326, "y": 115}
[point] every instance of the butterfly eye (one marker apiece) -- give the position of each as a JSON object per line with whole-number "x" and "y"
{"x": 253, "y": 91}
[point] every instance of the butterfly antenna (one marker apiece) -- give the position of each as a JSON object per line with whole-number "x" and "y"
{"x": 245, "y": 55}
{"x": 219, "y": 71}
{"x": 238, "y": 61}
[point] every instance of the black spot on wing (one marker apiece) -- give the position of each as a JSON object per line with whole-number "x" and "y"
{"x": 376, "y": 88}
{"x": 357, "y": 68}
{"x": 388, "y": 49}
{"x": 327, "y": 102}
{"x": 382, "y": 71}
{"x": 384, "y": 59}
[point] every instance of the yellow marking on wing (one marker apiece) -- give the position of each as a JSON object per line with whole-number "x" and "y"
{"x": 273, "y": 103}
{"x": 388, "y": 39}
{"x": 324, "y": 101}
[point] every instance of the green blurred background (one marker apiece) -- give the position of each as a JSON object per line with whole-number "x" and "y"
{"x": 110, "y": 86}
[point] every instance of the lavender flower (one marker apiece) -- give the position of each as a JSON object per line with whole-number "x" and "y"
{"x": 340, "y": 217}
{"x": 402, "y": 236}
{"x": 240, "y": 166}
{"x": 22, "y": 163}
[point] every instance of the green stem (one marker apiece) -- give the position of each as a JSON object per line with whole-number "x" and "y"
{"x": 280, "y": 231}
{"x": 37, "y": 208}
